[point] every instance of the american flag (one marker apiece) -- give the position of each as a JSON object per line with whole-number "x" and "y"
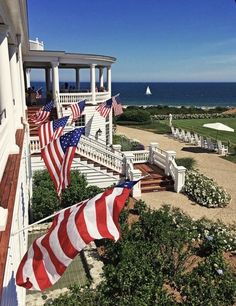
{"x": 77, "y": 109}
{"x": 104, "y": 108}
{"x": 118, "y": 110}
{"x": 42, "y": 114}
{"x": 58, "y": 156}
{"x": 51, "y": 130}
{"x": 72, "y": 229}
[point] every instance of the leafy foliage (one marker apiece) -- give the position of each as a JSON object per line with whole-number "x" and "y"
{"x": 127, "y": 144}
{"x": 152, "y": 263}
{"x": 204, "y": 190}
{"x": 45, "y": 200}
{"x": 135, "y": 115}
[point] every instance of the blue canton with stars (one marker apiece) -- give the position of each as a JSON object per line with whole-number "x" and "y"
{"x": 81, "y": 105}
{"x": 127, "y": 184}
{"x": 60, "y": 123}
{"x": 71, "y": 139}
{"x": 108, "y": 103}
{"x": 48, "y": 107}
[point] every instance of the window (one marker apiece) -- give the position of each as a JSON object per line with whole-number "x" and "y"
{"x": 80, "y": 121}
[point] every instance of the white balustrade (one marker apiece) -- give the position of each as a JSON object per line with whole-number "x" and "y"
{"x": 68, "y": 98}
{"x": 178, "y": 175}
{"x": 159, "y": 158}
{"x": 139, "y": 156}
{"x": 34, "y": 145}
{"x": 99, "y": 154}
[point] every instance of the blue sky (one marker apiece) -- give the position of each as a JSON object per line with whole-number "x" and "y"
{"x": 153, "y": 40}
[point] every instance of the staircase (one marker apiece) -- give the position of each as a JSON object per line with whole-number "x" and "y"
{"x": 156, "y": 181}
{"x": 34, "y": 127}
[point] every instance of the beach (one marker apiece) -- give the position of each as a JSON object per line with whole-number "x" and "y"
{"x": 210, "y": 164}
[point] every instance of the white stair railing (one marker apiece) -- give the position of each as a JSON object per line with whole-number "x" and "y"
{"x": 178, "y": 175}
{"x": 101, "y": 155}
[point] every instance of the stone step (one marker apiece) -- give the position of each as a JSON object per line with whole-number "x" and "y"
{"x": 156, "y": 188}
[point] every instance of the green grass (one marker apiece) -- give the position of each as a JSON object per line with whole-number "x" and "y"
{"x": 196, "y": 125}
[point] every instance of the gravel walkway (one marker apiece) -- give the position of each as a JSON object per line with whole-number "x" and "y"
{"x": 222, "y": 171}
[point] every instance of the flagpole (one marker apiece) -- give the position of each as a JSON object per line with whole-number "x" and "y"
{"x": 44, "y": 219}
{"x": 116, "y": 95}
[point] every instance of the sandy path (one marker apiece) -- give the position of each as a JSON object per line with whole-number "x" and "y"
{"x": 222, "y": 171}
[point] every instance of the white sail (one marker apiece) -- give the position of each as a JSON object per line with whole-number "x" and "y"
{"x": 148, "y": 91}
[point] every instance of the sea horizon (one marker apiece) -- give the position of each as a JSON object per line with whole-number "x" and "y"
{"x": 177, "y": 94}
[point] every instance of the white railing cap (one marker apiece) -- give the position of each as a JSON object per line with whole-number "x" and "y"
{"x": 3, "y": 218}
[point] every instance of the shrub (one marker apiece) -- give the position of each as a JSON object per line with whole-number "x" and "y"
{"x": 153, "y": 264}
{"x": 187, "y": 162}
{"x": 136, "y": 115}
{"x": 204, "y": 190}
{"x": 45, "y": 201}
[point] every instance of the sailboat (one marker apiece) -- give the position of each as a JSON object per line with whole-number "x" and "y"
{"x": 148, "y": 91}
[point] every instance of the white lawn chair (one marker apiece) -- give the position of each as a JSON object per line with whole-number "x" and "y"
{"x": 173, "y": 131}
{"x": 222, "y": 149}
{"x": 182, "y": 135}
{"x": 197, "y": 140}
{"x": 203, "y": 142}
{"x": 177, "y": 133}
{"x": 189, "y": 137}
{"x": 210, "y": 144}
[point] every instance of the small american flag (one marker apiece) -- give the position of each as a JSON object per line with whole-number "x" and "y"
{"x": 51, "y": 130}
{"x": 117, "y": 107}
{"x": 42, "y": 114}
{"x": 72, "y": 229}
{"x": 58, "y": 156}
{"x": 104, "y": 108}
{"x": 77, "y": 109}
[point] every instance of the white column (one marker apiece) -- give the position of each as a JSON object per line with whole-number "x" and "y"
{"x": 109, "y": 79}
{"x": 55, "y": 80}
{"x": 21, "y": 77}
{"x": 27, "y": 77}
{"x": 16, "y": 87}
{"x": 6, "y": 98}
{"x": 77, "y": 77}
{"x": 48, "y": 79}
{"x": 93, "y": 82}
{"x": 101, "y": 78}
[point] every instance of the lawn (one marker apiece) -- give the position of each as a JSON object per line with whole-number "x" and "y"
{"x": 196, "y": 125}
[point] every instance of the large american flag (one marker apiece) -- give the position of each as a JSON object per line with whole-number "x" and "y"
{"x": 58, "y": 156}
{"x": 117, "y": 107}
{"x": 77, "y": 109}
{"x": 51, "y": 130}
{"x": 104, "y": 108}
{"x": 42, "y": 114}
{"x": 73, "y": 228}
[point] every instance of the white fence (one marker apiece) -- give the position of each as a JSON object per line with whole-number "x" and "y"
{"x": 123, "y": 162}
{"x": 68, "y": 98}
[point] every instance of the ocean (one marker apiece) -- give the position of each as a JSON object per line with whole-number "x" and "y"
{"x": 172, "y": 94}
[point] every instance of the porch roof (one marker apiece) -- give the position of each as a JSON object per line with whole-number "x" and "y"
{"x": 43, "y": 59}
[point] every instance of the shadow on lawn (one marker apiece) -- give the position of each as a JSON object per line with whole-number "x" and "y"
{"x": 195, "y": 150}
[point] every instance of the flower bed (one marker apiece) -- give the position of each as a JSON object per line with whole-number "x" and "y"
{"x": 204, "y": 190}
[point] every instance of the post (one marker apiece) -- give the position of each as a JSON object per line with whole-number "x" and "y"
{"x": 55, "y": 80}
{"x": 93, "y": 82}
{"x": 136, "y": 175}
{"x": 48, "y": 79}
{"x": 152, "y": 147}
{"x": 77, "y": 78}
{"x": 169, "y": 156}
{"x": 179, "y": 179}
{"x": 101, "y": 80}
{"x": 109, "y": 79}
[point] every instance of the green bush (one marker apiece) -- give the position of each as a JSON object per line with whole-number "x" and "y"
{"x": 135, "y": 115}
{"x": 204, "y": 190}
{"x": 45, "y": 201}
{"x": 156, "y": 252}
{"x": 187, "y": 162}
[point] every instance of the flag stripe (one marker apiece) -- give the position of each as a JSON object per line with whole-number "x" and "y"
{"x": 49, "y": 256}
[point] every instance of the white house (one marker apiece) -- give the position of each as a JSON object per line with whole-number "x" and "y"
{"x": 19, "y": 149}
